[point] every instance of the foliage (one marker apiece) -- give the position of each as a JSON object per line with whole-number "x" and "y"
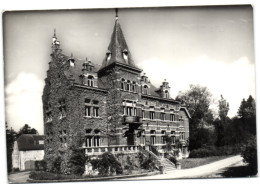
{"x": 250, "y": 155}
{"x": 77, "y": 162}
{"x": 40, "y": 165}
{"x": 56, "y": 168}
{"x": 223, "y": 108}
{"x": 42, "y": 175}
{"x": 129, "y": 165}
{"x": 215, "y": 151}
{"x": 107, "y": 165}
{"x": 173, "y": 160}
{"x": 197, "y": 100}
{"x": 26, "y": 129}
{"x": 149, "y": 164}
{"x": 10, "y": 138}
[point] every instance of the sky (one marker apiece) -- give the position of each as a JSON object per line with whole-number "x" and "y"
{"x": 209, "y": 46}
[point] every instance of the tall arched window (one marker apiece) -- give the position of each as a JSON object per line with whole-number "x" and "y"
{"x": 123, "y": 84}
{"x": 134, "y": 87}
{"x": 90, "y": 80}
{"x": 128, "y": 85}
{"x": 145, "y": 90}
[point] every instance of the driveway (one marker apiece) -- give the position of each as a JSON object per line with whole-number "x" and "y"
{"x": 20, "y": 177}
{"x": 197, "y": 172}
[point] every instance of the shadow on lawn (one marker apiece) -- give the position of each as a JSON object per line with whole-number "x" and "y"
{"x": 238, "y": 171}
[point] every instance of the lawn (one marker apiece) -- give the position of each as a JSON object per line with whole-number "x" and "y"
{"x": 195, "y": 162}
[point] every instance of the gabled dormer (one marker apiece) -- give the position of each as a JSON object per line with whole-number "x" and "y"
{"x": 164, "y": 90}
{"x": 89, "y": 77}
{"x": 145, "y": 85}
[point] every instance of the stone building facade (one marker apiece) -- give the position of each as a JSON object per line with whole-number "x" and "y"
{"x": 113, "y": 107}
{"x": 28, "y": 148}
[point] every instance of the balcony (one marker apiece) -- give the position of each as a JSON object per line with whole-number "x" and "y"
{"x": 113, "y": 149}
{"x": 132, "y": 119}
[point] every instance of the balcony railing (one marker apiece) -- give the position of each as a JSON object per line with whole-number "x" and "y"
{"x": 113, "y": 149}
{"x": 132, "y": 119}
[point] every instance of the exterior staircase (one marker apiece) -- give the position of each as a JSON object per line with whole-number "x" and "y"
{"x": 167, "y": 165}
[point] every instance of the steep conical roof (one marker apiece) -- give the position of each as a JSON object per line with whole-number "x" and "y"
{"x": 117, "y": 48}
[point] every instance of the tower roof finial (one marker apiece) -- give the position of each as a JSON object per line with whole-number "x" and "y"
{"x": 116, "y": 13}
{"x": 54, "y": 35}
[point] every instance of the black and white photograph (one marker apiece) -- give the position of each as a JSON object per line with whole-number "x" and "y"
{"x": 138, "y": 93}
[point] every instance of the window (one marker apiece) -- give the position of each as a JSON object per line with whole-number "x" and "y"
{"x": 145, "y": 90}
{"x": 134, "y": 87}
{"x": 87, "y": 100}
{"x": 96, "y": 141}
{"x": 88, "y": 131}
{"x": 166, "y": 94}
{"x": 129, "y": 111}
{"x": 90, "y": 80}
{"x": 88, "y": 141}
{"x": 143, "y": 114}
{"x": 162, "y": 116}
{"x": 122, "y": 84}
{"x": 172, "y": 117}
{"x": 95, "y": 102}
{"x": 128, "y": 86}
{"x": 173, "y": 139}
{"x": 49, "y": 113}
{"x": 87, "y": 111}
{"x": 152, "y": 114}
{"x": 41, "y": 142}
{"x": 95, "y": 111}
{"x": 62, "y": 108}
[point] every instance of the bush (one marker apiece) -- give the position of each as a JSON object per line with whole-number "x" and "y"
{"x": 56, "y": 167}
{"x": 42, "y": 175}
{"x": 215, "y": 151}
{"x": 77, "y": 162}
{"x": 250, "y": 155}
{"x": 173, "y": 160}
{"x": 149, "y": 164}
{"x": 107, "y": 165}
{"x": 40, "y": 165}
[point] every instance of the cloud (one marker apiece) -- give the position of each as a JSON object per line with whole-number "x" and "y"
{"x": 234, "y": 80}
{"x": 23, "y": 102}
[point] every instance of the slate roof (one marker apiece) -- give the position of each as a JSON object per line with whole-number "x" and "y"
{"x": 117, "y": 46}
{"x": 28, "y": 142}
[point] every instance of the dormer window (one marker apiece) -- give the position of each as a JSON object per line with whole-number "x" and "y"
{"x": 90, "y": 80}
{"x": 166, "y": 94}
{"x": 125, "y": 55}
{"x": 108, "y": 54}
{"x": 145, "y": 90}
{"x": 72, "y": 62}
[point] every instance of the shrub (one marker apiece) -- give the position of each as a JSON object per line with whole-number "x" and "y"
{"x": 173, "y": 160}
{"x": 107, "y": 165}
{"x": 250, "y": 155}
{"x": 56, "y": 167}
{"x": 42, "y": 175}
{"x": 40, "y": 165}
{"x": 149, "y": 164}
{"x": 77, "y": 162}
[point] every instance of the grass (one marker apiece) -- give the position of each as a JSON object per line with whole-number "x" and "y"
{"x": 195, "y": 162}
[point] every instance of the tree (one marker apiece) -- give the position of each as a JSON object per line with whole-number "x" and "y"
{"x": 247, "y": 113}
{"x": 221, "y": 123}
{"x": 26, "y": 129}
{"x": 250, "y": 155}
{"x": 223, "y": 108}
{"x": 197, "y": 100}
{"x": 10, "y": 138}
